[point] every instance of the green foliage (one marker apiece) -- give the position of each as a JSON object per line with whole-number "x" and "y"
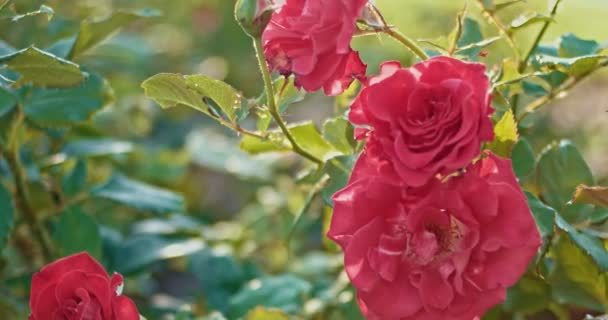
{"x": 139, "y": 196}
{"x": 67, "y": 107}
{"x": 170, "y": 90}
{"x": 561, "y": 168}
{"x": 505, "y": 135}
{"x": 285, "y": 292}
{"x": 77, "y": 232}
{"x": 93, "y": 32}
{"x": 214, "y": 221}
{"x": 7, "y": 215}
{"x": 43, "y": 69}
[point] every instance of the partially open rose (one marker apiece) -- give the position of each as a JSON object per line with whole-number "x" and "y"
{"x": 76, "y": 288}
{"x": 447, "y": 251}
{"x": 428, "y": 119}
{"x": 311, "y": 40}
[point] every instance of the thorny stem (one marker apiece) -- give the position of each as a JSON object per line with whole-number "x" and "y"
{"x": 407, "y": 42}
{"x": 554, "y": 94}
{"x": 539, "y": 37}
{"x": 501, "y": 28}
{"x": 274, "y": 111}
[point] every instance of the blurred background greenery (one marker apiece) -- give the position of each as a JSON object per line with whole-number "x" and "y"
{"x": 239, "y": 217}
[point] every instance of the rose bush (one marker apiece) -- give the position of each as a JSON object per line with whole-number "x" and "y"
{"x": 446, "y": 251}
{"x": 428, "y": 119}
{"x": 78, "y": 287}
{"x": 311, "y": 40}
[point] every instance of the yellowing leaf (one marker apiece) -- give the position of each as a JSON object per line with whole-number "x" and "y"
{"x": 260, "y": 313}
{"x": 591, "y": 195}
{"x": 506, "y": 136}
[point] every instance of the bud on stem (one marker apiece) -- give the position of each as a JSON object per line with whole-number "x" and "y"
{"x": 253, "y": 15}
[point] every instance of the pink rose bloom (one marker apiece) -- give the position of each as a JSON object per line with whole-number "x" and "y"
{"x": 311, "y": 39}
{"x": 447, "y": 251}
{"x": 428, "y": 119}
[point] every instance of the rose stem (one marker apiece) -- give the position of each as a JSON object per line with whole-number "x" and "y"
{"x": 274, "y": 111}
{"x": 11, "y": 155}
{"x": 407, "y": 42}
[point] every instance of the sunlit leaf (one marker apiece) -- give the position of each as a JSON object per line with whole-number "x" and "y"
{"x": 260, "y": 313}
{"x": 590, "y": 245}
{"x": 43, "y": 69}
{"x": 339, "y": 132}
{"x": 576, "y": 279}
{"x": 170, "y": 90}
{"x": 81, "y": 148}
{"x": 311, "y": 140}
{"x": 46, "y": 10}
{"x": 505, "y": 135}
{"x": 596, "y": 195}
{"x": 528, "y": 19}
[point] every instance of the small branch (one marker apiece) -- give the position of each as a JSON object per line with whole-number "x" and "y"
{"x": 490, "y": 15}
{"x": 23, "y": 202}
{"x": 274, "y": 111}
{"x": 539, "y": 37}
{"x": 237, "y": 128}
{"x": 407, "y": 42}
{"x": 554, "y": 94}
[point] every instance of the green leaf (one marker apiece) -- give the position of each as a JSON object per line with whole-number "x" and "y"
{"x": 93, "y": 32}
{"x": 465, "y": 50}
{"x": 170, "y": 90}
{"x": 576, "y": 279}
{"x": 74, "y": 182}
{"x": 506, "y": 4}
{"x": 505, "y": 135}
{"x": 140, "y": 196}
{"x": 226, "y": 97}
{"x": 590, "y": 245}
{"x": 219, "y": 275}
{"x": 7, "y": 215}
{"x": 597, "y": 196}
{"x": 260, "y": 313}
{"x": 471, "y": 38}
{"x": 529, "y": 296}
{"x": 311, "y": 140}
{"x": 138, "y": 252}
{"x": 522, "y": 158}
{"x": 571, "y": 46}
{"x": 340, "y": 133}
{"x": 543, "y": 215}
{"x": 76, "y": 232}
{"x": 560, "y": 169}
{"x": 528, "y": 19}
{"x": 46, "y": 10}
{"x": 84, "y": 148}
{"x": 217, "y": 152}
{"x": 339, "y": 170}
{"x": 43, "y": 69}
{"x": 7, "y": 101}
{"x": 285, "y": 292}
{"x": 274, "y": 142}
{"x": 575, "y": 67}
{"x": 67, "y": 107}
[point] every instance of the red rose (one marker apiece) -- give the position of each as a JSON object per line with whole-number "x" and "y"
{"x": 78, "y": 287}
{"x": 428, "y": 119}
{"x": 447, "y": 251}
{"x": 311, "y": 39}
